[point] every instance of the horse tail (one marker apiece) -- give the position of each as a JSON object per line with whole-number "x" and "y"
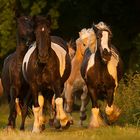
{"x": 18, "y": 109}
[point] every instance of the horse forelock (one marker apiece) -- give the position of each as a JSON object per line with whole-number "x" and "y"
{"x": 102, "y": 26}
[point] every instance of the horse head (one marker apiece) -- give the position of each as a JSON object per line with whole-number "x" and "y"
{"x": 103, "y": 35}
{"x": 88, "y": 38}
{"x": 25, "y": 26}
{"x": 43, "y": 39}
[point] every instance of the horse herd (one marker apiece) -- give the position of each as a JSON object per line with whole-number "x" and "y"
{"x": 45, "y": 69}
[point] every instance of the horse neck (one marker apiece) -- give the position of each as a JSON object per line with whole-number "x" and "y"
{"x": 78, "y": 55}
{"x": 21, "y": 50}
{"x": 93, "y": 46}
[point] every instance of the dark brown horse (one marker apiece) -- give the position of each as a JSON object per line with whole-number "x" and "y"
{"x": 12, "y": 80}
{"x": 46, "y": 66}
{"x": 102, "y": 70}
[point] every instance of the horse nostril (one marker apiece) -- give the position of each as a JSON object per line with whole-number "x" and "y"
{"x": 105, "y": 51}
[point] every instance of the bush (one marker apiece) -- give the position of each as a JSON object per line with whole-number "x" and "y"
{"x": 128, "y": 99}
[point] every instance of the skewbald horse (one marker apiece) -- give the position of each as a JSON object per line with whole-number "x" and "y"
{"x": 46, "y": 65}
{"x": 102, "y": 70}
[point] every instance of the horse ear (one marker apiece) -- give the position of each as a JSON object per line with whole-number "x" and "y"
{"x": 48, "y": 20}
{"x": 94, "y": 28}
{"x": 18, "y": 9}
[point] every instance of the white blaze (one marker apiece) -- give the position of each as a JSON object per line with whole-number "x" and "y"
{"x": 104, "y": 40}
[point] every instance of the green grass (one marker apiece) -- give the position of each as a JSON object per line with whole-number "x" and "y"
{"x": 128, "y": 132}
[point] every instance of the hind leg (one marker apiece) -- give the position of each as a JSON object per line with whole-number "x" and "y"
{"x": 13, "y": 113}
{"x": 84, "y": 102}
{"x": 69, "y": 100}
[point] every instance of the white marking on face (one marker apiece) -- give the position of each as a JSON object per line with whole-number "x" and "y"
{"x": 42, "y": 29}
{"x": 91, "y": 61}
{"x": 104, "y": 40}
{"x": 61, "y": 54}
{"x": 26, "y": 59}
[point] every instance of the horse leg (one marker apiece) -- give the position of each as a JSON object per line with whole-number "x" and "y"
{"x": 13, "y": 113}
{"x": 41, "y": 116}
{"x": 112, "y": 111}
{"x": 36, "y": 108}
{"x": 96, "y": 120}
{"x": 84, "y": 102}
{"x": 25, "y": 111}
{"x": 60, "y": 113}
{"x": 69, "y": 100}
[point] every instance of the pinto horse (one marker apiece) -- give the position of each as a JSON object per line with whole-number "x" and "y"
{"x": 102, "y": 70}
{"x": 75, "y": 82}
{"x": 13, "y": 83}
{"x": 46, "y": 66}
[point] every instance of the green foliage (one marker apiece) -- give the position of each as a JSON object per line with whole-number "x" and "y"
{"x": 7, "y": 28}
{"x": 128, "y": 98}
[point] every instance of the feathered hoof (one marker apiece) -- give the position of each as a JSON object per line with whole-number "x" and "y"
{"x": 36, "y": 130}
{"x": 66, "y": 126}
{"x": 57, "y": 124}
{"x": 113, "y": 117}
{"x": 9, "y": 128}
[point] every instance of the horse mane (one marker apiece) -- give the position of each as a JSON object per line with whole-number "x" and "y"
{"x": 90, "y": 34}
{"x": 103, "y": 26}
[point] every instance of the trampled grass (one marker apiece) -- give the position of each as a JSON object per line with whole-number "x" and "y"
{"x": 116, "y": 132}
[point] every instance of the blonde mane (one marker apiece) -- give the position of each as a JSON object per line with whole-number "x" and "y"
{"x": 102, "y": 26}
{"x": 90, "y": 35}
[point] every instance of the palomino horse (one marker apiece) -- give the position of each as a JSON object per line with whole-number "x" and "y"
{"x": 102, "y": 70}
{"x": 75, "y": 82}
{"x": 46, "y": 66}
{"x": 12, "y": 80}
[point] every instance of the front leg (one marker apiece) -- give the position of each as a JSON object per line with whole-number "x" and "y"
{"x": 96, "y": 120}
{"x": 60, "y": 113}
{"x": 112, "y": 111}
{"x": 36, "y": 108}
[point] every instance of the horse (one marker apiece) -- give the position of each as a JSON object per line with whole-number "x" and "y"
{"x": 46, "y": 65}
{"x": 13, "y": 83}
{"x": 102, "y": 69}
{"x": 75, "y": 83}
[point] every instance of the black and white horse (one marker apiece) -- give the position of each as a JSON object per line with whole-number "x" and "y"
{"x": 102, "y": 70}
{"x": 46, "y": 66}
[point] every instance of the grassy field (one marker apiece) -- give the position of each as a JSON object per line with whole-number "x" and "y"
{"x": 127, "y": 132}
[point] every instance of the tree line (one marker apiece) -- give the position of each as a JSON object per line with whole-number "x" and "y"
{"x": 68, "y": 17}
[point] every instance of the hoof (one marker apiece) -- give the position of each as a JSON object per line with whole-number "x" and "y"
{"x": 67, "y": 125}
{"x": 57, "y": 124}
{"x": 9, "y": 128}
{"x": 71, "y": 122}
{"x": 51, "y": 122}
{"x": 36, "y": 130}
{"x": 114, "y": 115}
{"x": 83, "y": 117}
{"x": 42, "y": 127}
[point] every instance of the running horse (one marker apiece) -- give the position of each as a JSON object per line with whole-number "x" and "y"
{"x": 46, "y": 66}
{"x": 12, "y": 80}
{"x": 75, "y": 85}
{"x": 102, "y": 70}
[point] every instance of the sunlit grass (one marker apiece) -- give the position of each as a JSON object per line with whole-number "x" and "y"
{"x": 74, "y": 132}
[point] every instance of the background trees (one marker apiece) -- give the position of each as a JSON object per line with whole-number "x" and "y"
{"x": 70, "y": 16}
